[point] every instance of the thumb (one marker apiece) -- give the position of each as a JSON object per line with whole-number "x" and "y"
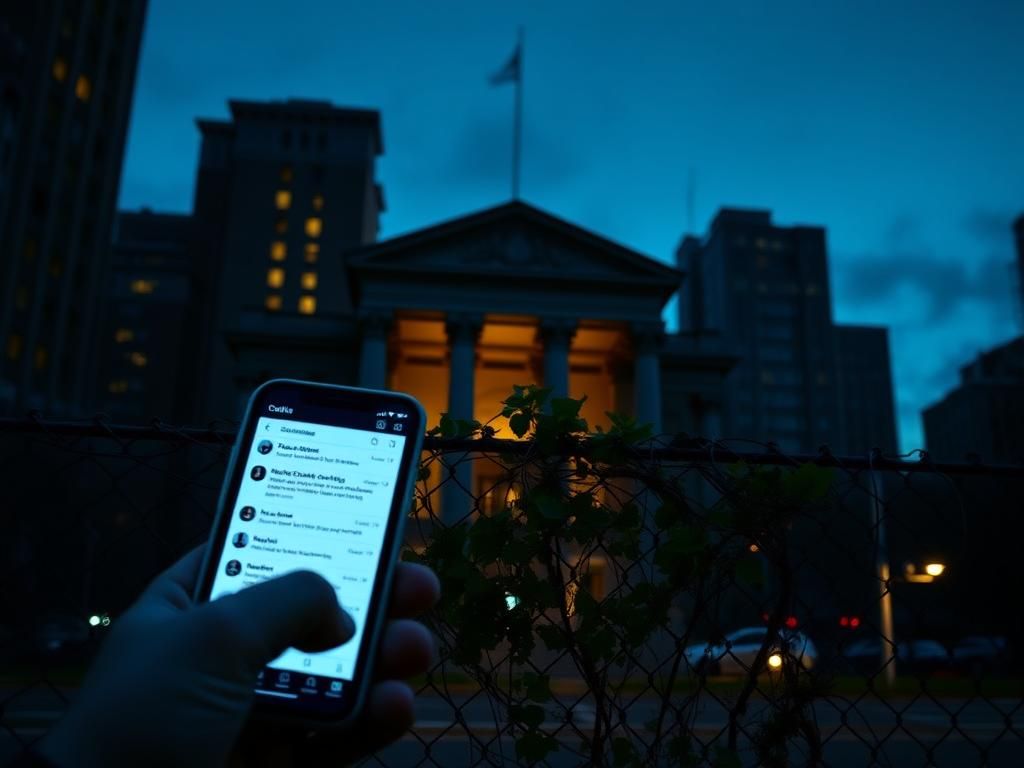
{"x": 297, "y": 610}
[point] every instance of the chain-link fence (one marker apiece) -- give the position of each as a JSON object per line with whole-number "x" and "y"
{"x": 608, "y": 600}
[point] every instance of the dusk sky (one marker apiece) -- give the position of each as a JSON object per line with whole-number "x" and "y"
{"x": 900, "y": 130}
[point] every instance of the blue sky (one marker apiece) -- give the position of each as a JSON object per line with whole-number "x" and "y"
{"x": 897, "y": 126}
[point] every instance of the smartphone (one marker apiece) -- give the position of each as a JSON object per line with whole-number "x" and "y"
{"x": 320, "y": 478}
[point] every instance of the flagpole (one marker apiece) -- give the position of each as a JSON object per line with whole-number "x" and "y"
{"x": 517, "y": 143}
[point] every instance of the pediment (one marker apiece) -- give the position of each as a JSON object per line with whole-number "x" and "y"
{"x": 513, "y": 240}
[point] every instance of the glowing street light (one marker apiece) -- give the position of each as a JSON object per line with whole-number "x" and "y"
{"x": 934, "y": 569}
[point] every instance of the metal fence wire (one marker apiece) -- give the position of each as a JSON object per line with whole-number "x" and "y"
{"x": 607, "y": 600}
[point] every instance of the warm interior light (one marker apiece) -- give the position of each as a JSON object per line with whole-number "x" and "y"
{"x": 278, "y": 250}
{"x": 83, "y": 88}
{"x": 273, "y": 302}
{"x": 275, "y": 277}
{"x": 934, "y": 569}
{"x": 754, "y": 548}
{"x": 283, "y": 199}
{"x": 775, "y": 661}
{"x": 314, "y": 226}
{"x": 312, "y": 252}
{"x": 307, "y": 305}
{"x": 309, "y": 281}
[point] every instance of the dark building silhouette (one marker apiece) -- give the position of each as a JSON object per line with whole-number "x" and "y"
{"x": 148, "y": 328}
{"x": 1018, "y": 237}
{"x": 865, "y": 395}
{"x": 764, "y": 289}
{"x": 283, "y": 190}
{"x": 984, "y": 415}
{"x": 67, "y": 72}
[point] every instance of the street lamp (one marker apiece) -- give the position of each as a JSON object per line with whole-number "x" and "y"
{"x": 931, "y": 572}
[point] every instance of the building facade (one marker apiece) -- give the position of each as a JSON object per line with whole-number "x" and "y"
{"x": 68, "y": 71}
{"x": 282, "y": 191}
{"x": 147, "y": 321}
{"x": 764, "y": 291}
{"x": 984, "y": 415}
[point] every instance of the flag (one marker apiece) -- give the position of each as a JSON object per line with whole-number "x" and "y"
{"x": 510, "y": 72}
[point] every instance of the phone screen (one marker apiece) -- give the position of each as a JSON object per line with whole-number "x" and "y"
{"x": 316, "y": 490}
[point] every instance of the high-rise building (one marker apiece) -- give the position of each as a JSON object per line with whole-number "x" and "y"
{"x": 984, "y": 415}
{"x": 148, "y": 325}
{"x": 764, "y": 290}
{"x": 284, "y": 189}
{"x": 865, "y": 394}
{"x": 1018, "y": 237}
{"x": 67, "y": 71}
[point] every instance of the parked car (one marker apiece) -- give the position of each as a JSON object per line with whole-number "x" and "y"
{"x": 737, "y": 653}
{"x": 918, "y": 656}
{"x": 979, "y": 654}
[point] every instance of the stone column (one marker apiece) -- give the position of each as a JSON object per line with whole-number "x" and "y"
{"x": 647, "y": 338}
{"x": 556, "y": 336}
{"x": 373, "y": 352}
{"x": 463, "y": 332}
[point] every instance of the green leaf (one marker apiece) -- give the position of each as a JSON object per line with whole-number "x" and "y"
{"x": 489, "y": 536}
{"x": 749, "y": 571}
{"x": 520, "y": 423}
{"x": 809, "y": 483}
{"x": 726, "y": 758}
{"x": 623, "y": 751}
{"x": 538, "y": 687}
{"x": 528, "y": 715}
{"x": 533, "y": 747}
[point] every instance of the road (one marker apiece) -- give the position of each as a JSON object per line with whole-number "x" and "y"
{"x": 910, "y": 732}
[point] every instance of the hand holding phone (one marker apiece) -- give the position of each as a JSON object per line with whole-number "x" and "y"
{"x": 319, "y": 480}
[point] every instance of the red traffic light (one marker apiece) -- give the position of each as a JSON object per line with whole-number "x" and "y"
{"x": 854, "y": 622}
{"x": 791, "y": 622}
{"x": 844, "y": 621}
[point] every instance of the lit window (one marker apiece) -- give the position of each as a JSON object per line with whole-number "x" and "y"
{"x": 309, "y": 281}
{"x": 138, "y": 359}
{"x": 41, "y": 357}
{"x": 283, "y": 200}
{"x": 281, "y": 225}
{"x": 307, "y": 305}
{"x": 143, "y": 286}
{"x": 278, "y": 250}
{"x": 121, "y": 335}
{"x": 60, "y": 69}
{"x": 14, "y": 344}
{"x": 312, "y": 252}
{"x": 314, "y": 226}
{"x": 117, "y": 386}
{"x": 273, "y": 302}
{"x": 286, "y": 174}
{"x": 275, "y": 277}
{"x": 83, "y": 88}
{"x": 318, "y": 202}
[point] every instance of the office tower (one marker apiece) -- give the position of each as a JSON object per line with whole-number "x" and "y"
{"x": 865, "y": 395}
{"x": 283, "y": 190}
{"x": 67, "y": 72}
{"x": 984, "y": 414}
{"x": 764, "y": 289}
{"x": 147, "y": 325}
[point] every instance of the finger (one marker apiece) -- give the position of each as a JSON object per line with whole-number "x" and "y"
{"x": 388, "y": 715}
{"x": 176, "y": 585}
{"x": 406, "y": 650}
{"x": 415, "y": 590}
{"x": 298, "y": 610}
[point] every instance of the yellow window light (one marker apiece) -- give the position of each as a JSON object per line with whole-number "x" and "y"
{"x": 138, "y": 359}
{"x": 318, "y": 202}
{"x": 309, "y": 281}
{"x": 122, "y": 335}
{"x": 143, "y": 287}
{"x": 283, "y": 200}
{"x": 307, "y": 305}
{"x": 314, "y": 226}
{"x": 273, "y": 302}
{"x": 278, "y": 250}
{"x": 312, "y": 252}
{"x": 275, "y": 277}
{"x": 60, "y": 70}
{"x": 83, "y": 88}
